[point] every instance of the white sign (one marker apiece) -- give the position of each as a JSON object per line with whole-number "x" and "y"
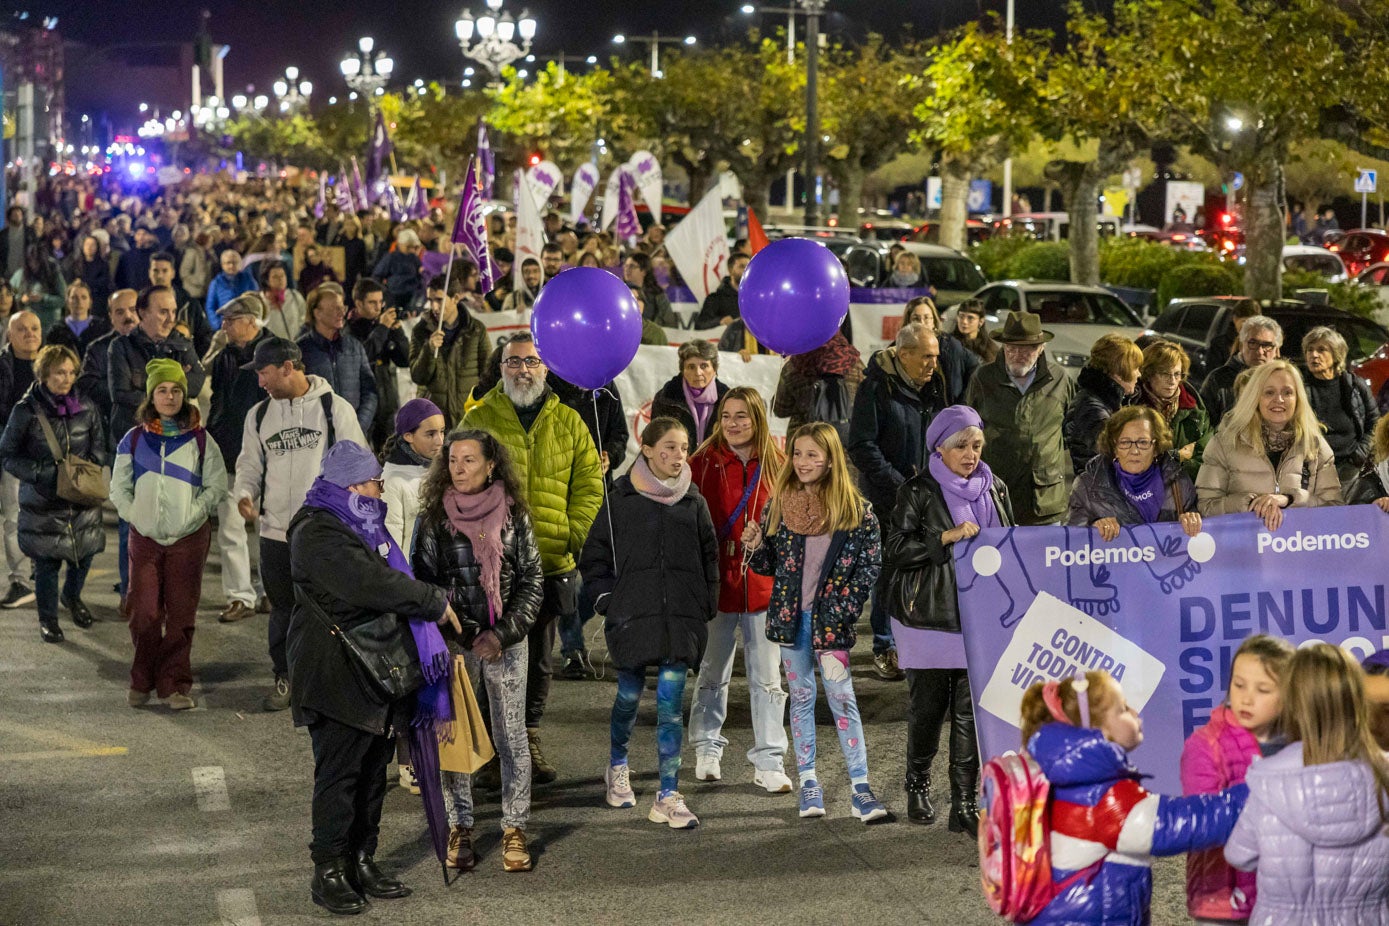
{"x": 1133, "y": 178}
{"x": 582, "y": 187}
{"x": 646, "y": 170}
{"x": 933, "y": 198}
{"x": 1367, "y": 181}
{"x": 543, "y": 179}
{"x": 699, "y": 246}
{"x": 1183, "y": 199}
{"x": 530, "y": 231}
{"x": 610, "y": 199}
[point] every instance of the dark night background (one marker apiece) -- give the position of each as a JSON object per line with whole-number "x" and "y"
{"x": 265, "y": 37}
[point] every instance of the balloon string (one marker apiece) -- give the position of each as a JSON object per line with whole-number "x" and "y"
{"x": 612, "y": 538}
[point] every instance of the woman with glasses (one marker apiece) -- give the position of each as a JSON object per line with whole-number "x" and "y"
{"x": 1341, "y": 400}
{"x": 1134, "y": 479}
{"x": 1162, "y": 386}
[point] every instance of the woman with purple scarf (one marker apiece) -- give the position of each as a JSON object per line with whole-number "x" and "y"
{"x": 347, "y": 570}
{"x": 1135, "y": 478}
{"x": 952, "y": 500}
{"x": 693, "y": 394}
{"x": 474, "y": 540}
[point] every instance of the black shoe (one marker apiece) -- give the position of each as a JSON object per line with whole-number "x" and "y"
{"x": 81, "y": 616}
{"x": 19, "y": 594}
{"x": 331, "y": 890}
{"x": 372, "y": 881}
{"x": 964, "y": 817}
{"x": 50, "y": 631}
{"x": 919, "y": 806}
{"x": 577, "y": 667}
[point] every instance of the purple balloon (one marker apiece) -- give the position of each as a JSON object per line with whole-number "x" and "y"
{"x": 587, "y": 326}
{"x": 794, "y": 295}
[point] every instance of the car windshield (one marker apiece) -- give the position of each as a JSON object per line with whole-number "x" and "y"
{"x": 1363, "y": 337}
{"x": 955, "y": 273}
{"x": 1325, "y": 264}
{"x": 1080, "y": 308}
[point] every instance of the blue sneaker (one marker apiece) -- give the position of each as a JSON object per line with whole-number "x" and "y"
{"x": 812, "y": 799}
{"x": 865, "y": 806}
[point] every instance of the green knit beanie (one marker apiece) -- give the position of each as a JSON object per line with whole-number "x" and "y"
{"x": 163, "y": 370}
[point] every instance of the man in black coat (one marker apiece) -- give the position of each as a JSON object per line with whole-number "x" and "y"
{"x": 94, "y": 385}
{"x": 153, "y": 337}
{"x": 133, "y": 271}
{"x": 1260, "y": 340}
{"x": 721, "y": 306}
{"x": 191, "y": 319}
{"x": 340, "y": 583}
{"x": 388, "y": 349}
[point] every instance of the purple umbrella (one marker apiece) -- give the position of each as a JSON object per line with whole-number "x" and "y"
{"x": 424, "y": 758}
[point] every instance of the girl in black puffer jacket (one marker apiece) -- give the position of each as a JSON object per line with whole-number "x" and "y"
{"x": 651, "y": 562}
{"x": 474, "y": 540}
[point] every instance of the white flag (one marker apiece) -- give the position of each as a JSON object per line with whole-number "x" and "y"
{"x": 610, "y": 199}
{"x": 543, "y": 179}
{"x": 647, "y": 171}
{"x": 581, "y": 189}
{"x": 530, "y": 231}
{"x": 699, "y": 246}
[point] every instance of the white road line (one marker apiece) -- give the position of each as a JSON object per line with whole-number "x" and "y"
{"x": 237, "y": 907}
{"x": 210, "y": 785}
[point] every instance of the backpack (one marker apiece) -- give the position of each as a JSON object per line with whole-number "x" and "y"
{"x": 330, "y": 436}
{"x": 1015, "y": 838}
{"x": 830, "y": 403}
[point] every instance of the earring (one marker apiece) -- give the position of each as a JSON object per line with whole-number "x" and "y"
{"x": 490, "y": 477}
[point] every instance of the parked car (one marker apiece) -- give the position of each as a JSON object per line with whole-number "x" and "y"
{"x": 884, "y": 230}
{"x": 1205, "y": 327}
{"x": 1077, "y": 315}
{"x": 1050, "y": 226}
{"x": 1362, "y": 247}
{"x": 929, "y": 232}
{"x": 1376, "y": 277}
{"x": 1316, "y": 260}
{"x": 1182, "y": 241}
{"x": 955, "y": 276}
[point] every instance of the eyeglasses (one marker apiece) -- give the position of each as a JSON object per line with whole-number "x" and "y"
{"x": 1176, "y": 376}
{"x": 1142, "y": 443}
{"x": 1263, "y": 347}
{"x": 516, "y": 363}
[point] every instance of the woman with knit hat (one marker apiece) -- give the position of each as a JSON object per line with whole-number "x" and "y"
{"x": 949, "y": 501}
{"x": 419, "y": 433}
{"x": 169, "y": 477}
{"x": 475, "y": 541}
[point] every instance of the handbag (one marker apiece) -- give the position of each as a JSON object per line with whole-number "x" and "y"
{"x": 381, "y": 651}
{"x": 466, "y": 747}
{"x": 79, "y": 481}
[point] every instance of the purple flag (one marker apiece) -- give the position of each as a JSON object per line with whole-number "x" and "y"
{"x": 417, "y": 203}
{"x": 628, "y": 227}
{"x": 486, "y": 164}
{"x": 378, "y": 152}
{"x": 470, "y": 228}
{"x": 322, "y": 202}
{"x": 342, "y": 193}
{"x": 393, "y": 203}
{"x": 359, "y": 189}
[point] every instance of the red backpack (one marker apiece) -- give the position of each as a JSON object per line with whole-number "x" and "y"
{"x": 1015, "y": 838}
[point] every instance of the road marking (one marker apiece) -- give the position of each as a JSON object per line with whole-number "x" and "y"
{"x": 210, "y": 785}
{"x": 62, "y": 754}
{"x": 63, "y": 745}
{"x": 237, "y": 907}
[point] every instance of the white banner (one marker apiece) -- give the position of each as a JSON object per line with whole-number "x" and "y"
{"x": 581, "y": 189}
{"x": 699, "y": 246}
{"x": 647, "y": 170}
{"x": 530, "y": 231}
{"x": 610, "y": 199}
{"x": 543, "y": 179}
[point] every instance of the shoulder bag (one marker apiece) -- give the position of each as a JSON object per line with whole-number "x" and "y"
{"x": 380, "y": 651}
{"x": 79, "y": 481}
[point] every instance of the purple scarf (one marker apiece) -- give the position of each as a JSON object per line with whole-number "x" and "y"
{"x": 366, "y": 516}
{"x": 966, "y": 499}
{"x": 701, "y": 405}
{"x": 1143, "y": 491}
{"x": 64, "y": 406}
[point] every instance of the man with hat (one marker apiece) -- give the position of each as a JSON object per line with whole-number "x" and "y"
{"x": 1022, "y": 398}
{"x": 283, "y": 442}
{"x": 235, "y": 391}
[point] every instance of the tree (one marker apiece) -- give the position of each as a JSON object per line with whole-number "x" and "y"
{"x": 562, "y": 117}
{"x": 294, "y": 139}
{"x": 434, "y": 131}
{"x": 867, "y": 108}
{"x": 975, "y": 112}
{"x": 1319, "y": 170}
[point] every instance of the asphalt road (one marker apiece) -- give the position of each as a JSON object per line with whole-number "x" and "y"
{"x": 110, "y": 815}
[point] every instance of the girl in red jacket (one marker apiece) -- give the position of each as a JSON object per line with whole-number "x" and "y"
{"x": 1217, "y": 756}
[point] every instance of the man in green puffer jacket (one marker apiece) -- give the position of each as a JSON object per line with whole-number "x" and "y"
{"x": 562, "y": 484}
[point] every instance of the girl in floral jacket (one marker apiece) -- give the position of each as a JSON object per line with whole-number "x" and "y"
{"x": 821, "y": 546}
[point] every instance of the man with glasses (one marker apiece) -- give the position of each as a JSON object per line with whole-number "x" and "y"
{"x": 562, "y": 484}
{"x": 1260, "y": 340}
{"x": 342, "y": 361}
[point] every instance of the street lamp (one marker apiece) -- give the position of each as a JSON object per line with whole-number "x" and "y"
{"x": 495, "y": 31}
{"x": 366, "y": 70}
{"x": 655, "y": 40}
{"x": 812, "y": 115}
{"x": 292, "y": 93}
{"x": 791, "y": 14}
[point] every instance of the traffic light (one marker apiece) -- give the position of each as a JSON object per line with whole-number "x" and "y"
{"x": 533, "y": 160}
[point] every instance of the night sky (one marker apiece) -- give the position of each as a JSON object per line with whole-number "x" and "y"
{"x": 268, "y": 35}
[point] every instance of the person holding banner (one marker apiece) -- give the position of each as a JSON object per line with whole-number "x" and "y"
{"x": 821, "y": 547}
{"x": 735, "y": 470}
{"x": 721, "y": 306}
{"x": 1371, "y": 487}
{"x": 692, "y": 394}
{"x": 951, "y": 500}
{"x": 1268, "y": 454}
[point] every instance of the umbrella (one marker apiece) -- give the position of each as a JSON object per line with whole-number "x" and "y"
{"x": 424, "y": 755}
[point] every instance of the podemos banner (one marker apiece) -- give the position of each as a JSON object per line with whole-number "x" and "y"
{"x": 1161, "y": 612}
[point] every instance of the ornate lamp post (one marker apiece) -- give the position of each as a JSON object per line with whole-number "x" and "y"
{"x": 292, "y": 93}
{"x": 496, "y": 32}
{"x": 366, "y": 70}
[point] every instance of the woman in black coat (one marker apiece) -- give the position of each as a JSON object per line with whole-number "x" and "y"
{"x": 52, "y": 530}
{"x": 88, "y": 265}
{"x": 1104, "y": 385}
{"x": 1341, "y": 400}
{"x": 475, "y": 541}
{"x": 651, "y": 562}
{"x": 348, "y": 572}
{"x": 693, "y": 394}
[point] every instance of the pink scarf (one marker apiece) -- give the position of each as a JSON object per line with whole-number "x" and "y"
{"x": 701, "y": 405}
{"x": 647, "y": 483}
{"x": 481, "y": 518}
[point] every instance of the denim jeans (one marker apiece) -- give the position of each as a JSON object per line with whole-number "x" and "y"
{"x": 762, "y": 660}
{"x": 800, "y": 661}
{"x": 571, "y": 626}
{"x": 505, "y": 683}
{"x": 46, "y": 584}
{"x": 670, "y": 695}
{"x": 879, "y": 619}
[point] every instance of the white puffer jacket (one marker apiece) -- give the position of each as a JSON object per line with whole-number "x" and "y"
{"x": 402, "y": 497}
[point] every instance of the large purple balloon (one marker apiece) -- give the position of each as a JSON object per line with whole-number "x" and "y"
{"x": 794, "y": 295}
{"x": 587, "y": 326}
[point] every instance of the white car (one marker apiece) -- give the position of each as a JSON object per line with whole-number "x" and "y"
{"x": 1077, "y": 315}
{"x": 1317, "y": 260}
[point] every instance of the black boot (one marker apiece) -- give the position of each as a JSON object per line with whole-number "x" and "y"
{"x": 372, "y": 881}
{"x": 919, "y": 806}
{"x": 964, "y": 760}
{"x": 81, "y": 614}
{"x": 50, "y": 631}
{"x": 332, "y": 890}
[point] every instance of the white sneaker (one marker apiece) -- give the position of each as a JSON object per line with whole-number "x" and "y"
{"x": 707, "y": 768}
{"x": 671, "y": 811}
{"x": 619, "y": 787}
{"x": 773, "y": 781}
{"x": 407, "y": 780}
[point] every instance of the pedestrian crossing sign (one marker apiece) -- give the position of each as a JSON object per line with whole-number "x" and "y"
{"x": 1366, "y": 182}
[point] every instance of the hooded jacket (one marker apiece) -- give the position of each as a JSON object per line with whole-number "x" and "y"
{"x": 401, "y": 493}
{"x": 167, "y": 487}
{"x": 1100, "y": 813}
{"x": 887, "y": 431}
{"x": 1217, "y": 756}
{"x": 1315, "y": 835}
{"x": 281, "y": 456}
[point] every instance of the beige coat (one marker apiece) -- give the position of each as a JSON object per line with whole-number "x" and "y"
{"x": 1234, "y": 472}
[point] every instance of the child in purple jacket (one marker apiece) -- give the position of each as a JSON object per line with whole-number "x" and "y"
{"x": 1217, "y": 756}
{"x": 1314, "y": 826}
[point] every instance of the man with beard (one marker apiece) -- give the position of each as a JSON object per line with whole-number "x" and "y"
{"x": 562, "y": 484}
{"x": 1022, "y": 397}
{"x": 381, "y": 333}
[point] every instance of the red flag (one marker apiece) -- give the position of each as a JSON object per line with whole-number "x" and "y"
{"x": 757, "y": 238}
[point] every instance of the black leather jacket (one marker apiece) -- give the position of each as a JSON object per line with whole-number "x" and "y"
{"x": 444, "y": 558}
{"x": 921, "y": 571}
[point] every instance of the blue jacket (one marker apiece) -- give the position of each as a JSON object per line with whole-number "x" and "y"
{"x": 343, "y": 363}
{"x": 224, "y": 289}
{"x": 1100, "y": 813}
